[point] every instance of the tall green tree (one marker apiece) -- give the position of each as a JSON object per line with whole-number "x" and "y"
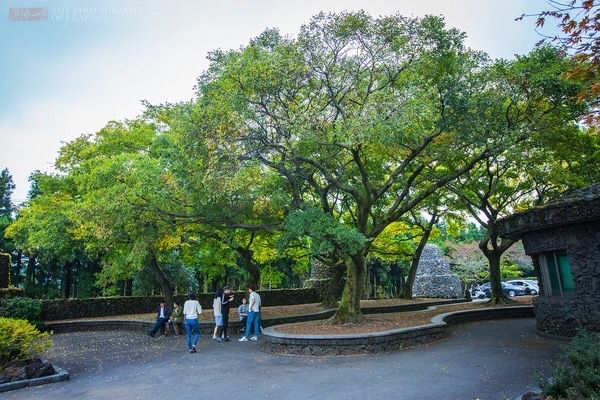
{"x": 550, "y": 151}
{"x": 364, "y": 118}
{"x": 43, "y": 231}
{"x": 7, "y": 187}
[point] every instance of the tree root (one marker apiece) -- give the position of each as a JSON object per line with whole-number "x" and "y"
{"x": 346, "y": 319}
{"x": 500, "y": 301}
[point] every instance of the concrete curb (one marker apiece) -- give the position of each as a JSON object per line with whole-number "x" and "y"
{"x": 390, "y": 340}
{"x": 60, "y": 376}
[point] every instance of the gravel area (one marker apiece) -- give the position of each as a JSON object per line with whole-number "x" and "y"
{"x": 384, "y": 322}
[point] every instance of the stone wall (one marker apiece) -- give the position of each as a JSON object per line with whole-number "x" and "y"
{"x": 433, "y": 277}
{"x": 59, "y": 309}
{"x": 563, "y": 315}
{"x": 385, "y": 341}
{"x": 320, "y": 276}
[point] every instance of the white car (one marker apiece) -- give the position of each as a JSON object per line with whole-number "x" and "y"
{"x": 531, "y": 287}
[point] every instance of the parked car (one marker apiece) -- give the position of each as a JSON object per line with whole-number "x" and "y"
{"x": 476, "y": 293}
{"x": 508, "y": 289}
{"x": 530, "y": 287}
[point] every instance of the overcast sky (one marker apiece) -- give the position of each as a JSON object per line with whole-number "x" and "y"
{"x": 80, "y": 64}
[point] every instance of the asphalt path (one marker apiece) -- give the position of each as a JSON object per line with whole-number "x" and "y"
{"x": 483, "y": 360}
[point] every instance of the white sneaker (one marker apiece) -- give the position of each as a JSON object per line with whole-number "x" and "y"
{"x": 253, "y": 338}
{"x": 243, "y": 339}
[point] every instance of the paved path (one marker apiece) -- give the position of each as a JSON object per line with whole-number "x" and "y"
{"x": 484, "y": 360}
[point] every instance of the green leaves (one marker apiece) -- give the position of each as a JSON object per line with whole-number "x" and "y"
{"x": 326, "y": 234}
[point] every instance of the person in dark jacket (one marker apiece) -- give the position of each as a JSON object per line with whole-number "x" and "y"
{"x": 161, "y": 319}
{"x": 226, "y": 299}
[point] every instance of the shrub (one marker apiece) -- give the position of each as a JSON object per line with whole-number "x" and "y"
{"x": 6, "y": 293}
{"x": 20, "y": 340}
{"x": 22, "y": 308}
{"x": 580, "y": 377}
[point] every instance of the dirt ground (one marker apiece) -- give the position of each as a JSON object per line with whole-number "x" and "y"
{"x": 383, "y": 322}
{"x": 266, "y": 312}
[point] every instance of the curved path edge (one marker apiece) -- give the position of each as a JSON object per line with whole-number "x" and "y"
{"x": 384, "y": 341}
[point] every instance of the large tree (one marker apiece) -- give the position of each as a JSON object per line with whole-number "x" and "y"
{"x": 365, "y": 119}
{"x": 552, "y": 153}
{"x": 579, "y": 24}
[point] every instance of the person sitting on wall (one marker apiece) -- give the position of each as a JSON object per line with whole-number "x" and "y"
{"x": 243, "y": 313}
{"x": 176, "y": 318}
{"x": 161, "y": 319}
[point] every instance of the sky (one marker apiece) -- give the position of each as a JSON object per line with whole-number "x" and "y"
{"x": 72, "y": 66}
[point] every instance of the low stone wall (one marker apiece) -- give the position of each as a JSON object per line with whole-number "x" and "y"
{"x": 561, "y": 317}
{"x": 60, "y": 309}
{"x": 391, "y": 340}
{"x": 234, "y": 326}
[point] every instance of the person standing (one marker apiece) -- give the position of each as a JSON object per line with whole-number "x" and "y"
{"x": 217, "y": 304}
{"x": 227, "y": 297}
{"x": 191, "y": 313}
{"x": 253, "y": 312}
{"x": 162, "y": 318}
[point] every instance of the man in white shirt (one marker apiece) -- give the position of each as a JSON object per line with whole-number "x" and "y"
{"x": 191, "y": 313}
{"x": 252, "y": 323}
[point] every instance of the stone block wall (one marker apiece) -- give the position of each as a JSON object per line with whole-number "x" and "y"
{"x": 433, "y": 277}
{"x": 563, "y": 315}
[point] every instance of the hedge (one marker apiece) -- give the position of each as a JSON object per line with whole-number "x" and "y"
{"x": 59, "y": 309}
{"x": 7, "y": 293}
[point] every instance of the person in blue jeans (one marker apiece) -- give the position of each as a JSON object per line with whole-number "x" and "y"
{"x": 253, "y": 321}
{"x": 191, "y": 313}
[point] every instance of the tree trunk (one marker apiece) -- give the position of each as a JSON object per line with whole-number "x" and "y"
{"x": 368, "y": 287}
{"x": 17, "y": 270}
{"x": 334, "y": 290}
{"x": 30, "y": 274}
{"x": 67, "y": 281}
{"x": 252, "y": 269}
{"x": 494, "y": 255}
{"x": 498, "y": 296}
{"x": 161, "y": 278}
{"x": 349, "y": 309}
{"x": 407, "y": 288}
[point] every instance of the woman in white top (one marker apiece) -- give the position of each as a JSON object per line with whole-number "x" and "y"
{"x": 191, "y": 313}
{"x": 217, "y": 302}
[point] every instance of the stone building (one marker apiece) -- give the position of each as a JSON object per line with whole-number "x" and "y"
{"x": 563, "y": 238}
{"x": 433, "y": 277}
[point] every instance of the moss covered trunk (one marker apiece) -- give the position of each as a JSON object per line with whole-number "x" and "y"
{"x": 335, "y": 288}
{"x": 498, "y": 296}
{"x": 349, "y": 308}
{"x": 493, "y": 247}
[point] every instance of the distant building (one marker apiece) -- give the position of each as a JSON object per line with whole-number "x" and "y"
{"x": 563, "y": 238}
